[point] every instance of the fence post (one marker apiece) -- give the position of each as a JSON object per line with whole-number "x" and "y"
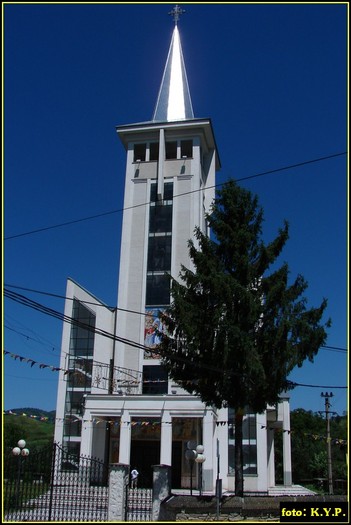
{"x": 52, "y": 479}
{"x": 161, "y": 488}
{"x": 117, "y": 492}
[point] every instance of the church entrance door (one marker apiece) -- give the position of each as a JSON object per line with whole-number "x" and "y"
{"x": 143, "y": 455}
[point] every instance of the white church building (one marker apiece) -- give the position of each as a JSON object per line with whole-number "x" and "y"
{"x": 115, "y": 401}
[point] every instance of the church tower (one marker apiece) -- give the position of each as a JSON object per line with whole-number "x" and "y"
{"x": 115, "y": 401}
{"x": 169, "y": 186}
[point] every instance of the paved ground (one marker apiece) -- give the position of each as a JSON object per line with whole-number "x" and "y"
{"x": 182, "y": 517}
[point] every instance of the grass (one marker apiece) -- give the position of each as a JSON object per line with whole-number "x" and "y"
{"x": 36, "y": 433}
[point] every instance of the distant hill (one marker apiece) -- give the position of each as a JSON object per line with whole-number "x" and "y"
{"x": 35, "y": 412}
{"x": 34, "y": 425}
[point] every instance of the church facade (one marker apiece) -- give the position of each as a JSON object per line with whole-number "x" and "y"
{"x": 115, "y": 401}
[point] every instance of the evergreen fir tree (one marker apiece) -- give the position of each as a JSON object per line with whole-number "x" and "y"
{"x": 236, "y": 331}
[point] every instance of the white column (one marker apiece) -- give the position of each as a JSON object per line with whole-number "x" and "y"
{"x": 166, "y": 439}
{"x": 124, "y": 439}
{"x": 161, "y": 160}
{"x": 262, "y": 479}
{"x": 270, "y": 457}
{"x": 209, "y": 450}
{"x": 286, "y": 444}
{"x": 87, "y": 434}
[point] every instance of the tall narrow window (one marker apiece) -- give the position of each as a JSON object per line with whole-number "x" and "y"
{"x": 171, "y": 150}
{"x": 157, "y": 290}
{"x": 139, "y": 152}
{"x": 82, "y": 333}
{"x": 159, "y": 254}
{"x": 154, "y": 149}
{"x": 81, "y": 350}
{"x": 159, "y": 247}
{"x": 186, "y": 148}
{"x": 160, "y": 218}
{"x": 159, "y": 261}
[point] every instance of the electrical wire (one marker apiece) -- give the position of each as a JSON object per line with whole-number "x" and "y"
{"x": 127, "y": 371}
{"x": 104, "y": 214}
{"x": 29, "y": 338}
{"x": 293, "y": 384}
{"x": 49, "y": 311}
{"x": 25, "y": 301}
{"x": 326, "y": 347}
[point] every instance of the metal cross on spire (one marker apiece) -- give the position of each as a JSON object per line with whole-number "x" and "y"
{"x": 176, "y": 12}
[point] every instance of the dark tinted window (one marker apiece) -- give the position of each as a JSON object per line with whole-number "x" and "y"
{"x": 155, "y": 380}
{"x": 186, "y": 148}
{"x": 160, "y": 218}
{"x": 171, "y": 150}
{"x": 154, "y": 147}
{"x": 157, "y": 290}
{"x": 72, "y": 428}
{"x": 139, "y": 152}
{"x": 159, "y": 254}
{"x": 82, "y": 339}
{"x": 167, "y": 192}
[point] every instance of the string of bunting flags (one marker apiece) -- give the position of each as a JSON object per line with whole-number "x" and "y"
{"x": 118, "y": 422}
{"x": 76, "y": 371}
{"x": 115, "y": 422}
{"x": 68, "y": 372}
{"x": 315, "y": 437}
{"x": 32, "y": 362}
{"x": 335, "y": 441}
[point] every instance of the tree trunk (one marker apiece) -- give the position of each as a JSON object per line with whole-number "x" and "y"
{"x": 239, "y": 467}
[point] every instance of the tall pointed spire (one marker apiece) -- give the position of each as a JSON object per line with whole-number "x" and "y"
{"x": 173, "y": 101}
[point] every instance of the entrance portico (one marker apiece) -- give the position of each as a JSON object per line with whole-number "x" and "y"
{"x": 147, "y": 429}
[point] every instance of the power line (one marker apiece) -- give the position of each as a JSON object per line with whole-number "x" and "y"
{"x": 62, "y": 317}
{"x": 28, "y": 337}
{"x": 293, "y": 166}
{"x": 335, "y": 348}
{"x": 326, "y": 347}
{"x": 57, "y": 369}
{"x": 293, "y": 384}
{"x": 104, "y": 214}
{"x": 25, "y": 301}
{"x": 14, "y": 322}
{"x": 25, "y": 378}
{"x": 49, "y": 311}
{"x": 70, "y": 298}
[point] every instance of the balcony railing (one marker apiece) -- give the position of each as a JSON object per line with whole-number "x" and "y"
{"x": 116, "y": 380}
{"x": 85, "y": 374}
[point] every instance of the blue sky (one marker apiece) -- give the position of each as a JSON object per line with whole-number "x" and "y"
{"x": 272, "y": 77}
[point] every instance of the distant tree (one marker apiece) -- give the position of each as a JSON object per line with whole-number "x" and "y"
{"x": 318, "y": 464}
{"x": 236, "y": 332}
{"x": 308, "y": 443}
{"x": 12, "y": 432}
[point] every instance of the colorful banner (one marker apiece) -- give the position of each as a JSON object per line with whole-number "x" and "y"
{"x": 153, "y": 328}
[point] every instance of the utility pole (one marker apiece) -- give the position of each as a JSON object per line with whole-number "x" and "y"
{"x": 327, "y": 416}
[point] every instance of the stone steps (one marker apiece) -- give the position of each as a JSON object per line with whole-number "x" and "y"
{"x": 293, "y": 490}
